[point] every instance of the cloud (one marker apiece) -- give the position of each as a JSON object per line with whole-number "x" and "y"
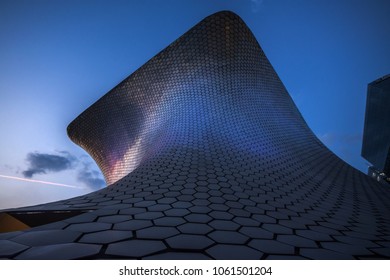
{"x": 347, "y": 146}
{"x": 45, "y": 163}
{"x": 255, "y": 5}
{"x": 42, "y": 163}
{"x": 341, "y": 139}
{"x": 91, "y": 178}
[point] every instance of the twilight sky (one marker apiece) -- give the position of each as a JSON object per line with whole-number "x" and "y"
{"x": 58, "y": 57}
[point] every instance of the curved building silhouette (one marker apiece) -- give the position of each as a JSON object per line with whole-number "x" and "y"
{"x": 207, "y": 157}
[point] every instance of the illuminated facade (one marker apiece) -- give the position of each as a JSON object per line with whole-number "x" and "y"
{"x": 207, "y": 157}
{"x": 376, "y": 136}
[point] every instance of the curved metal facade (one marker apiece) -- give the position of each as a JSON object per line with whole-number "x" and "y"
{"x": 208, "y": 157}
{"x": 211, "y": 89}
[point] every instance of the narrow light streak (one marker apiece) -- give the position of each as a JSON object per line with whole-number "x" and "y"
{"x": 39, "y": 181}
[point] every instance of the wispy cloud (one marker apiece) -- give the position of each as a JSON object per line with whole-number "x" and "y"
{"x": 343, "y": 139}
{"x": 45, "y": 163}
{"x": 91, "y": 178}
{"x": 256, "y": 5}
{"x": 347, "y": 146}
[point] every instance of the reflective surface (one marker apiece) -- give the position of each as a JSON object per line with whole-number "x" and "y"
{"x": 208, "y": 158}
{"x": 376, "y": 137}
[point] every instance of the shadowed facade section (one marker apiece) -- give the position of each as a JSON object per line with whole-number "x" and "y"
{"x": 207, "y": 157}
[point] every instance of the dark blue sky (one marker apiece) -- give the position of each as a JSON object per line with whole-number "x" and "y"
{"x": 58, "y": 57}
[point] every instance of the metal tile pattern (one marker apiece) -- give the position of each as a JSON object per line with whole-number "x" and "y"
{"x": 210, "y": 159}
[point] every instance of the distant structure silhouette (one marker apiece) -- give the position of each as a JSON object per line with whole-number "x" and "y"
{"x": 376, "y": 136}
{"x": 207, "y": 157}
